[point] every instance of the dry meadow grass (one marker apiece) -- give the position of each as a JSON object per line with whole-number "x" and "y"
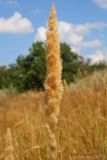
{"x": 82, "y": 131}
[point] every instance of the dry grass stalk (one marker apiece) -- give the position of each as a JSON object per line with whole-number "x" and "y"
{"x": 9, "y": 145}
{"x": 66, "y": 88}
{"x": 32, "y": 148}
{"x": 53, "y": 84}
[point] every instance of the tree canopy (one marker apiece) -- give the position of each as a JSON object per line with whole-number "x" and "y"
{"x": 29, "y": 71}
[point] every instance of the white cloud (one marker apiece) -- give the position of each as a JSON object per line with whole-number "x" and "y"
{"x": 101, "y": 3}
{"x": 100, "y": 55}
{"x": 68, "y": 34}
{"x": 97, "y": 57}
{"x": 41, "y": 34}
{"x": 75, "y": 35}
{"x": 16, "y": 24}
{"x": 96, "y": 43}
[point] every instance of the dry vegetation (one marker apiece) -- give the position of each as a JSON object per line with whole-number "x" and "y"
{"x": 82, "y": 132}
{"x": 53, "y": 83}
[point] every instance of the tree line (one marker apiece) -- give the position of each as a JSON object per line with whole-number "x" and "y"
{"x": 28, "y": 72}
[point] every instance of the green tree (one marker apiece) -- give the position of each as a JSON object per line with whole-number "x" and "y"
{"x": 71, "y": 63}
{"x": 3, "y": 77}
{"x": 29, "y": 71}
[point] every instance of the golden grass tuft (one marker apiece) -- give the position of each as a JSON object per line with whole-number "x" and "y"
{"x": 82, "y": 130}
{"x": 9, "y": 145}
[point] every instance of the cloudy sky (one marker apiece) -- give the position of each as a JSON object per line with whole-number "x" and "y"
{"x": 82, "y": 24}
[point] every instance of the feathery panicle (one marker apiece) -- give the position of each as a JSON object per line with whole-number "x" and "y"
{"x": 53, "y": 84}
{"x": 9, "y": 145}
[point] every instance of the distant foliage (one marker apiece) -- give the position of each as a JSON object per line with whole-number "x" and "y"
{"x": 29, "y": 71}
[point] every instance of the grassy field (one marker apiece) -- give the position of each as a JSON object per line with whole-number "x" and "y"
{"x": 82, "y": 130}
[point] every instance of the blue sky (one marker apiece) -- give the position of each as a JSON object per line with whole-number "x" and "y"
{"x": 82, "y": 24}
